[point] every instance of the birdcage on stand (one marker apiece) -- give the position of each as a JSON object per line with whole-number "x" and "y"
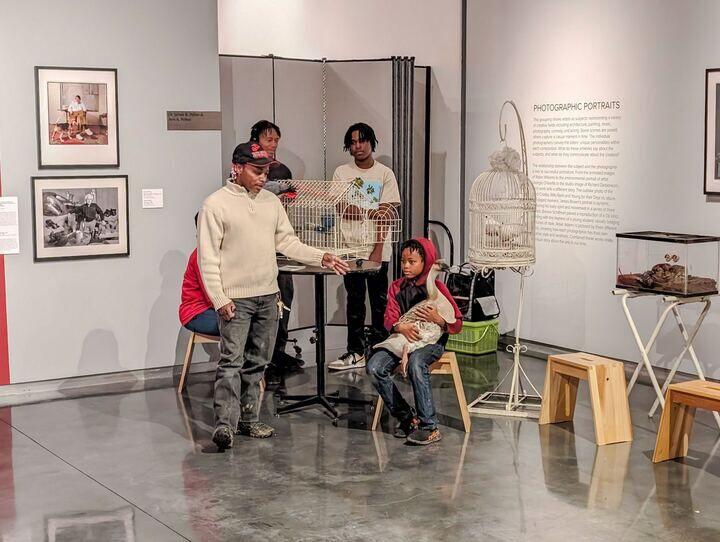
{"x": 339, "y": 217}
{"x": 502, "y": 236}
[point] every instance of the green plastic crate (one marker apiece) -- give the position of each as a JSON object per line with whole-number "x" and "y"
{"x": 475, "y": 338}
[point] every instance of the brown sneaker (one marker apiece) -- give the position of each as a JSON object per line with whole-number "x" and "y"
{"x": 255, "y": 429}
{"x": 423, "y": 437}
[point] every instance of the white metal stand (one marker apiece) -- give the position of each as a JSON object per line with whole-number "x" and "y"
{"x": 673, "y": 306}
{"x": 516, "y": 403}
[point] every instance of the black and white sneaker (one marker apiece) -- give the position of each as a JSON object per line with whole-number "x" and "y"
{"x": 349, "y": 360}
{"x": 404, "y": 428}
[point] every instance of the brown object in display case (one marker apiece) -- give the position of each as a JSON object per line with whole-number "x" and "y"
{"x": 676, "y": 264}
{"x": 667, "y": 278}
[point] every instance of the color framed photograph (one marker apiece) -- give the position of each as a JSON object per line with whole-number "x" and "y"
{"x": 77, "y": 120}
{"x": 80, "y": 217}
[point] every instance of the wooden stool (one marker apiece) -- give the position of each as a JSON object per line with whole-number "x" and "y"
{"x": 446, "y": 365}
{"x": 606, "y": 378}
{"x": 678, "y": 416}
{"x": 195, "y": 338}
{"x": 199, "y": 338}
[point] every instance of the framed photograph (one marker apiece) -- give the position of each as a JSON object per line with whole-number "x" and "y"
{"x": 80, "y": 217}
{"x": 712, "y": 136}
{"x": 77, "y": 120}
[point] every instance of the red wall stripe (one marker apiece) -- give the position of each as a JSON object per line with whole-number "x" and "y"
{"x": 7, "y": 476}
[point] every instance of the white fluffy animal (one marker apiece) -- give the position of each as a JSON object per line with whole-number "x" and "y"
{"x": 429, "y": 332}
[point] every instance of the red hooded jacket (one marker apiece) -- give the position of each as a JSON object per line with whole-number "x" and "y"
{"x": 399, "y": 303}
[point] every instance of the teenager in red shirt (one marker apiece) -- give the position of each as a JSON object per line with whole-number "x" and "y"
{"x": 196, "y": 310}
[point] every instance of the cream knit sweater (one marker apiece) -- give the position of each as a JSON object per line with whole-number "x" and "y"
{"x": 238, "y": 235}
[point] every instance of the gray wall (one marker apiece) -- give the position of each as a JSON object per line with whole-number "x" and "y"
{"x": 97, "y": 316}
{"x": 652, "y": 56}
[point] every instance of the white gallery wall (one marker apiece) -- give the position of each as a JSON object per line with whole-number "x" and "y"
{"x": 70, "y": 318}
{"x": 649, "y": 56}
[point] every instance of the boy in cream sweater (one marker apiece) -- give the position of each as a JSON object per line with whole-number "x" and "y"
{"x": 240, "y": 228}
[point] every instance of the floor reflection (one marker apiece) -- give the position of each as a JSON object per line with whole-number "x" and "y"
{"x": 685, "y": 496}
{"x": 63, "y": 474}
{"x": 115, "y": 525}
{"x": 562, "y": 473}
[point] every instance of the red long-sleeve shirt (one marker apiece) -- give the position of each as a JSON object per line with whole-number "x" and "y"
{"x": 193, "y": 299}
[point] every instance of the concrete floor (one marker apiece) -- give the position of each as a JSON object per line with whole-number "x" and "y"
{"x": 141, "y": 464}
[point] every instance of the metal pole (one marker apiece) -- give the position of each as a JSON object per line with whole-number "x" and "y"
{"x": 324, "y": 117}
{"x": 320, "y": 322}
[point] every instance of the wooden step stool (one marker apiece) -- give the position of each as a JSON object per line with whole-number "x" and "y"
{"x": 678, "y": 416}
{"x": 195, "y": 338}
{"x": 446, "y": 365}
{"x": 199, "y": 338}
{"x": 606, "y": 379}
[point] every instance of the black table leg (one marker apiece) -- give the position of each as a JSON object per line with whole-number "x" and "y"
{"x": 319, "y": 398}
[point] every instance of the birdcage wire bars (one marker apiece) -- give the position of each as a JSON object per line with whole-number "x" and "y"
{"x": 502, "y": 208}
{"x": 502, "y": 215}
{"x": 337, "y": 217}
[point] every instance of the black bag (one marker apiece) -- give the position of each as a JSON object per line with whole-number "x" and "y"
{"x": 473, "y": 293}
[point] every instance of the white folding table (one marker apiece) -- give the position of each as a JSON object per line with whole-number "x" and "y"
{"x": 672, "y": 305}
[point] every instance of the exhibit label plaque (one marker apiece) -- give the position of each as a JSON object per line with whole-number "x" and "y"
{"x": 194, "y": 120}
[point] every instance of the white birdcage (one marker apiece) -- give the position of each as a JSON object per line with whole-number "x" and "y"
{"x": 502, "y": 209}
{"x": 502, "y": 236}
{"x": 339, "y": 217}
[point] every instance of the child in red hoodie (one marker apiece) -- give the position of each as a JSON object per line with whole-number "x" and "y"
{"x": 418, "y": 256}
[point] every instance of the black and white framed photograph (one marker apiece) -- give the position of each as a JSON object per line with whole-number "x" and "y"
{"x": 712, "y": 136}
{"x": 80, "y": 217}
{"x": 77, "y": 121}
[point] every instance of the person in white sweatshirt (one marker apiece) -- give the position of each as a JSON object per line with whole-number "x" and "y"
{"x": 240, "y": 228}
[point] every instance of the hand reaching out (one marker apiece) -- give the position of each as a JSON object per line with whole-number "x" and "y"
{"x": 330, "y": 261}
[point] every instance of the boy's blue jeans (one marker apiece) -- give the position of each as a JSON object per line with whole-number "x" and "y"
{"x": 246, "y": 344}
{"x": 380, "y": 368}
{"x": 206, "y": 322}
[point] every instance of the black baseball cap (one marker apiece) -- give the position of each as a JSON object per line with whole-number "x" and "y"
{"x": 251, "y": 153}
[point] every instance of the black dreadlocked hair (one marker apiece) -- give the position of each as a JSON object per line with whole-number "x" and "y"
{"x": 262, "y": 126}
{"x": 365, "y": 132}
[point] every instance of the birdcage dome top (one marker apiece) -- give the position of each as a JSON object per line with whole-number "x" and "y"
{"x": 503, "y": 182}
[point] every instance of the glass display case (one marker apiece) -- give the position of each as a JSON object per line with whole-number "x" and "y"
{"x": 668, "y": 263}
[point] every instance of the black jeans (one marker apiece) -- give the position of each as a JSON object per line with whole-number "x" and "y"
{"x": 246, "y": 343}
{"x": 287, "y": 292}
{"x": 380, "y": 367}
{"x": 356, "y": 285}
